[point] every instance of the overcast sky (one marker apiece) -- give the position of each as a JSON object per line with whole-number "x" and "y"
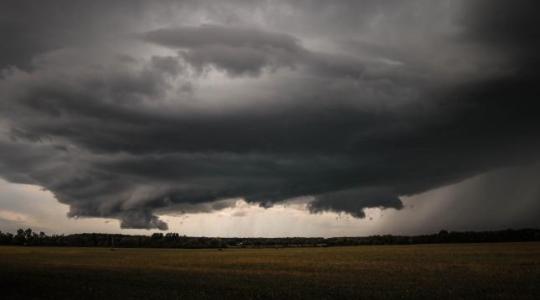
{"x": 269, "y": 118}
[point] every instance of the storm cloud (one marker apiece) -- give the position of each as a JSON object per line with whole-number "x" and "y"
{"x": 143, "y": 109}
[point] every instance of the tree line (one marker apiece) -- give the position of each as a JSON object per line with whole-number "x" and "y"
{"x": 174, "y": 240}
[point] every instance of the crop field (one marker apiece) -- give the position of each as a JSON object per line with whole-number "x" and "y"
{"x": 450, "y": 271}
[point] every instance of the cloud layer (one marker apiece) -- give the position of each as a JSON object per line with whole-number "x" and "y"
{"x": 170, "y": 104}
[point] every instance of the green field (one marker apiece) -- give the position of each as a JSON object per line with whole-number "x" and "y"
{"x": 451, "y": 271}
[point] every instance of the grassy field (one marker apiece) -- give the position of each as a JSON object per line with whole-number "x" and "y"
{"x": 449, "y": 271}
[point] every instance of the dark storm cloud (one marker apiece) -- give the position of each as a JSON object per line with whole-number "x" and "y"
{"x": 118, "y": 135}
{"x": 207, "y": 35}
{"x": 503, "y": 25}
{"x": 238, "y": 51}
{"x": 247, "y": 51}
{"x": 29, "y": 27}
{"x": 353, "y": 201}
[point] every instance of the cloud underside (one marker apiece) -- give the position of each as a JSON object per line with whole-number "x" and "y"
{"x": 227, "y": 111}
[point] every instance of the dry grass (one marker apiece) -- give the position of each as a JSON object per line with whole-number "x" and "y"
{"x": 433, "y": 271}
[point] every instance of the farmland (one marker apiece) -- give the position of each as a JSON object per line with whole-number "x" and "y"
{"x": 504, "y": 270}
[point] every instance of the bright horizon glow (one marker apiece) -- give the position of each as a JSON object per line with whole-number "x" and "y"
{"x": 26, "y": 206}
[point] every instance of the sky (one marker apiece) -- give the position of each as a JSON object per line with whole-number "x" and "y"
{"x": 269, "y": 118}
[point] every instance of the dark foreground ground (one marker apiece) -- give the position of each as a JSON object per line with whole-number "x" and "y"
{"x": 451, "y": 271}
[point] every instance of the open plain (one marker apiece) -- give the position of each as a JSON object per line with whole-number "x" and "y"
{"x": 451, "y": 271}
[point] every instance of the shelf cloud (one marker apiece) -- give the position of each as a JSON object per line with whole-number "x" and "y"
{"x": 129, "y": 110}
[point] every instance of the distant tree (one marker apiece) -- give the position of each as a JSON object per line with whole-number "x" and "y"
{"x": 19, "y": 238}
{"x": 174, "y": 240}
{"x": 157, "y": 236}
